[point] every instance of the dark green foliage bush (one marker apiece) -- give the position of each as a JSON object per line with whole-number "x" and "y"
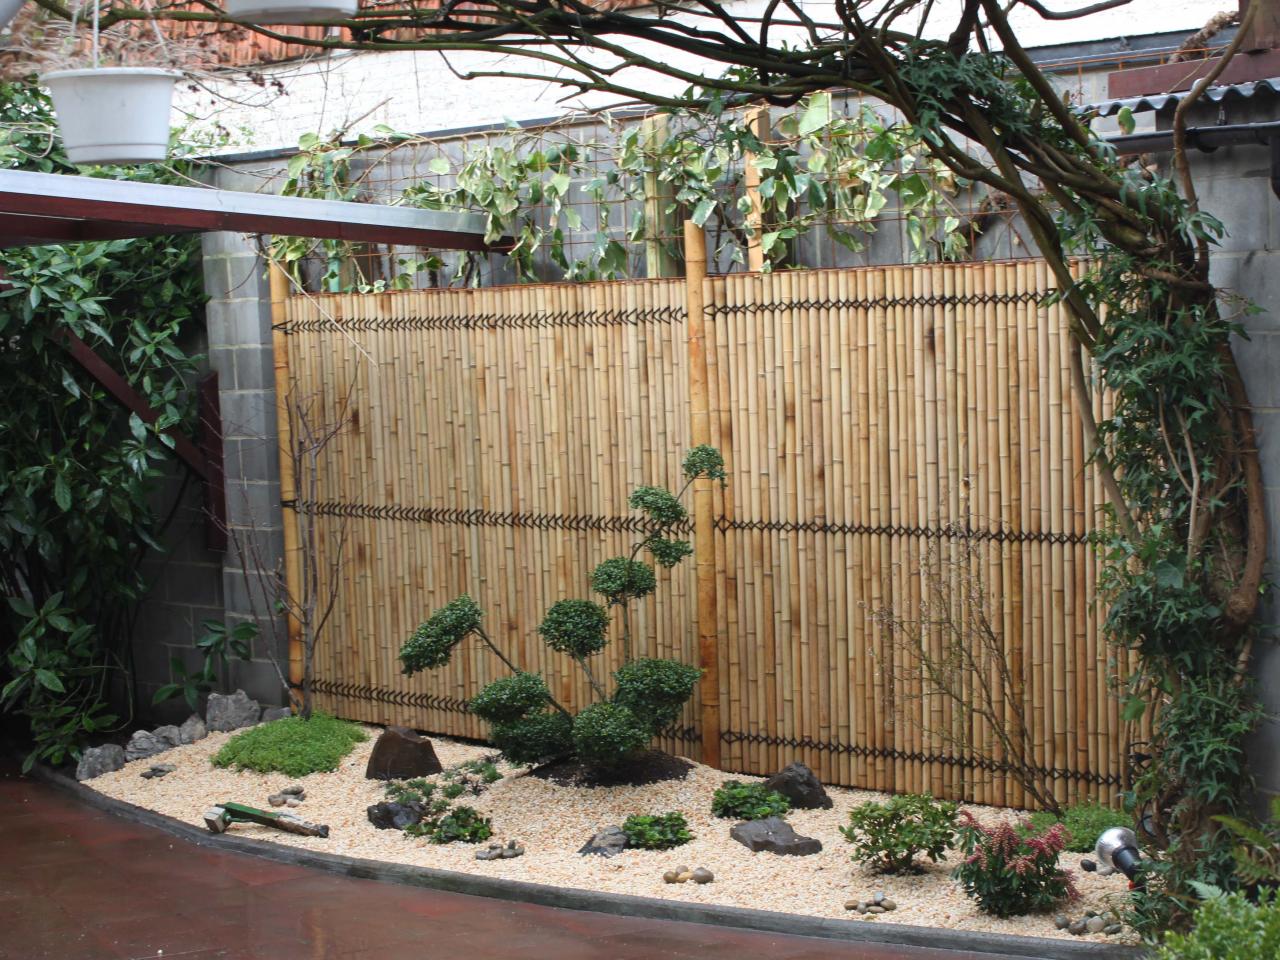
{"x": 668, "y": 552}
{"x": 1010, "y": 874}
{"x": 291, "y": 746}
{"x": 748, "y": 801}
{"x": 1084, "y": 823}
{"x": 432, "y": 643}
{"x": 511, "y": 698}
{"x": 463, "y": 824}
{"x": 411, "y": 791}
{"x": 1229, "y": 928}
{"x": 889, "y": 836}
{"x": 657, "y": 831}
{"x": 660, "y": 504}
{"x": 575, "y": 627}
{"x": 655, "y": 690}
{"x": 622, "y": 579}
{"x": 606, "y": 735}
{"x": 534, "y": 739}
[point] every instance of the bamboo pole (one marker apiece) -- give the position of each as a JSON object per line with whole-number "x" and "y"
{"x": 695, "y": 256}
{"x": 758, "y": 123}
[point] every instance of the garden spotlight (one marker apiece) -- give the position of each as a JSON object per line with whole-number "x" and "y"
{"x": 1118, "y": 848}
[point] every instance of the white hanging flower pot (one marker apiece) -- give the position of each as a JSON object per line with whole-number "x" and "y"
{"x": 8, "y": 10}
{"x": 113, "y": 114}
{"x": 290, "y": 11}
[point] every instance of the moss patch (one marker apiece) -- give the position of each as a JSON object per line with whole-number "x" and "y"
{"x": 292, "y": 746}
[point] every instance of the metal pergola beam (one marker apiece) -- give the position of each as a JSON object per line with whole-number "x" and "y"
{"x": 55, "y": 208}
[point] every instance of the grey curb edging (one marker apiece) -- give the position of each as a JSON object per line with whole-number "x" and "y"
{"x": 767, "y": 921}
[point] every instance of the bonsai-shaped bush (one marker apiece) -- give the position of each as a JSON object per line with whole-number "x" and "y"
{"x": 748, "y": 801}
{"x": 292, "y": 745}
{"x": 1229, "y": 927}
{"x": 888, "y": 836}
{"x": 656, "y": 831}
{"x": 525, "y": 721}
{"x": 1085, "y": 822}
{"x": 1009, "y": 873}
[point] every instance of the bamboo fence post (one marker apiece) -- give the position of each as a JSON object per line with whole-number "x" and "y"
{"x": 659, "y": 225}
{"x": 758, "y": 122}
{"x": 704, "y": 547}
{"x": 279, "y": 285}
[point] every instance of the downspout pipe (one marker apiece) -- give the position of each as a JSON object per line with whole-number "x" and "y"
{"x": 1207, "y": 140}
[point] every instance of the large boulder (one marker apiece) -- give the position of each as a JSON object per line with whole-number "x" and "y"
{"x": 774, "y": 835}
{"x": 400, "y": 754}
{"x": 395, "y": 816}
{"x": 145, "y": 744}
{"x": 798, "y": 784}
{"x": 609, "y": 842}
{"x": 192, "y": 729}
{"x": 231, "y": 711}
{"x": 96, "y": 761}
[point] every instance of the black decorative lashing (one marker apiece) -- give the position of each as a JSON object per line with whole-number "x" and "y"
{"x": 399, "y": 698}
{"x": 950, "y": 531}
{"x": 890, "y": 753}
{"x": 482, "y": 321}
{"x": 937, "y": 300}
{"x": 475, "y": 518}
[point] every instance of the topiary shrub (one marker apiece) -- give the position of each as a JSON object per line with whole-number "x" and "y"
{"x": 1010, "y": 874}
{"x": 1229, "y": 928}
{"x": 889, "y": 836}
{"x": 525, "y": 721}
{"x": 293, "y": 746}
{"x": 1084, "y": 823}
{"x": 748, "y": 801}
{"x": 656, "y": 831}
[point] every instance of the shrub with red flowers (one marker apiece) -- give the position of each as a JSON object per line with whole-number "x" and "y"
{"x": 1009, "y": 873}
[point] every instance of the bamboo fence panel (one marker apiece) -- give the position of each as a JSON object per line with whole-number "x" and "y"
{"x": 885, "y": 430}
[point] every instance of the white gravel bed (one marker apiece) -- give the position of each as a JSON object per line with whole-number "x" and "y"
{"x": 552, "y": 822}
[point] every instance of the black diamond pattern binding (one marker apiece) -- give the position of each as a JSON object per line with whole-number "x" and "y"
{"x": 950, "y": 531}
{"x": 940, "y": 300}
{"x": 399, "y": 698}
{"x": 510, "y": 321}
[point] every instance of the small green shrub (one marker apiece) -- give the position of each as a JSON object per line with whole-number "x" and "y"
{"x": 607, "y": 735}
{"x": 1084, "y": 823}
{"x": 656, "y": 832}
{"x": 1010, "y": 874}
{"x": 432, "y": 643}
{"x": 511, "y": 698}
{"x": 534, "y": 739}
{"x": 655, "y": 690}
{"x": 292, "y": 746}
{"x": 889, "y": 836}
{"x": 1229, "y": 928}
{"x": 463, "y": 824}
{"x": 748, "y": 801}
{"x": 452, "y": 791}
{"x": 576, "y": 627}
{"x": 411, "y": 791}
{"x": 622, "y": 579}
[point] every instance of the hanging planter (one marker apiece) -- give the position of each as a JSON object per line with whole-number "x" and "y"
{"x": 113, "y": 114}
{"x": 290, "y": 11}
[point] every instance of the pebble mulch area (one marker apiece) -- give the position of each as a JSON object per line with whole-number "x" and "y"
{"x": 550, "y": 822}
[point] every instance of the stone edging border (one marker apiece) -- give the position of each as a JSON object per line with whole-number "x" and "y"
{"x": 742, "y": 918}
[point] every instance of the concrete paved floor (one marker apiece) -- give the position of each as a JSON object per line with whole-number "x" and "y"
{"x": 79, "y": 884}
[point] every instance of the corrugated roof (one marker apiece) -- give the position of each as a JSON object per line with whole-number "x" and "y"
{"x": 1159, "y": 101}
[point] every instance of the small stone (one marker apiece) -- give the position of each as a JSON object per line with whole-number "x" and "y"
{"x": 294, "y": 790}
{"x": 1111, "y": 929}
{"x": 878, "y": 898}
{"x": 889, "y": 904}
{"x": 192, "y": 729}
{"x": 401, "y": 754}
{"x": 292, "y": 802}
{"x": 875, "y": 908}
{"x": 276, "y": 799}
{"x": 231, "y": 711}
{"x": 684, "y": 877}
{"x": 511, "y": 851}
{"x": 96, "y": 761}
{"x": 671, "y": 876}
{"x": 608, "y": 842}
{"x": 275, "y": 713}
{"x": 168, "y": 734}
{"x": 1088, "y": 866}
{"x": 1062, "y": 921}
{"x": 852, "y": 904}
{"x": 774, "y": 835}
{"x": 1095, "y": 924}
{"x": 493, "y": 853}
{"x": 1105, "y": 871}
{"x": 1076, "y": 927}
{"x": 702, "y": 875}
{"x": 158, "y": 770}
{"x": 682, "y": 869}
{"x": 396, "y": 816}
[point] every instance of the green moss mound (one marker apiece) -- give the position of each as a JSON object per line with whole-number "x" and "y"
{"x": 1085, "y": 822}
{"x": 291, "y": 746}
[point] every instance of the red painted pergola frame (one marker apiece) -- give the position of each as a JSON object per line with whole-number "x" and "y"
{"x": 44, "y": 208}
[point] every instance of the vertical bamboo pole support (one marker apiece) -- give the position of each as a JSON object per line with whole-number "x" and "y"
{"x": 758, "y": 122}
{"x": 704, "y": 547}
{"x": 659, "y": 225}
{"x": 288, "y": 482}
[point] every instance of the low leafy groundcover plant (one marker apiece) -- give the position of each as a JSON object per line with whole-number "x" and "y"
{"x": 291, "y": 746}
{"x": 748, "y": 801}
{"x": 1010, "y": 874}
{"x": 1084, "y": 822}
{"x": 888, "y": 836}
{"x": 462, "y": 824}
{"x": 656, "y": 832}
{"x": 1229, "y": 928}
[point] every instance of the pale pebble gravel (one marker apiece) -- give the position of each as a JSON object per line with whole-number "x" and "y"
{"x": 552, "y": 822}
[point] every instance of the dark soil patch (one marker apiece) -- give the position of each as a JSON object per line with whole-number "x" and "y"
{"x": 652, "y": 766}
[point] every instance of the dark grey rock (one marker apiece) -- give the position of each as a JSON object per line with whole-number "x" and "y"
{"x": 294, "y": 790}
{"x": 276, "y": 799}
{"x": 1111, "y": 929}
{"x": 158, "y": 770}
{"x": 493, "y": 853}
{"x": 96, "y": 761}
{"x": 774, "y": 835}
{"x": 292, "y": 801}
{"x": 702, "y": 875}
{"x": 400, "y": 754}
{"x": 168, "y": 734}
{"x": 192, "y": 729}
{"x": 798, "y": 784}
{"x": 512, "y": 850}
{"x": 231, "y": 711}
{"x": 1088, "y": 866}
{"x": 395, "y": 816}
{"x": 145, "y": 744}
{"x": 275, "y": 713}
{"x": 1076, "y": 927}
{"x": 609, "y": 842}
{"x": 1062, "y": 921}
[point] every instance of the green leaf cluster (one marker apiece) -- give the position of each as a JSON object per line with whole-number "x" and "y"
{"x": 622, "y": 579}
{"x": 576, "y": 627}
{"x": 656, "y": 831}
{"x": 292, "y": 746}
{"x": 216, "y": 644}
{"x": 747, "y": 801}
{"x": 889, "y": 836}
{"x": 432, "y": 644}
{"x": 1084, "y": 823}
{"x": 655, "y": 689}
{"x": 1229, "y": 927}
{"x": 606, "y": 735}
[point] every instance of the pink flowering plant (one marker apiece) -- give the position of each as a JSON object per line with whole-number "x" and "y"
{"x": 1010, "y": 873}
